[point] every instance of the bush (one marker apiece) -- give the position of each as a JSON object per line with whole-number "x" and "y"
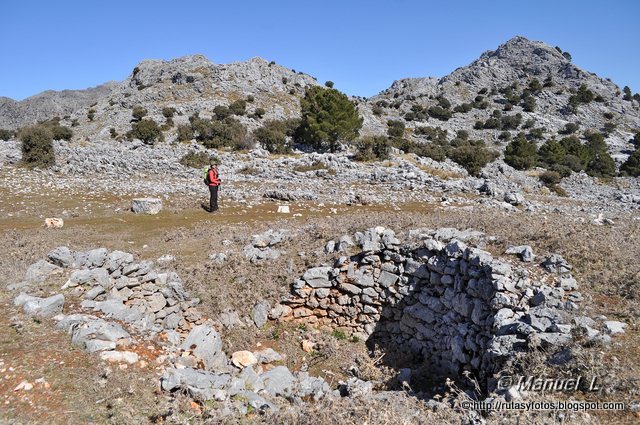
{"x": 168, "y": 112}
{"x": 521, "y": 153}
{"x": 443, "y": 102}
{"x": 529, "y": 104}
{"x": 439, "y": 113}
{"x": 6, "y": 134}
{"x": 377, "y": 110}
{"x": 550, "y": 178}
{"x": 609, "y": 127}
{"x": 195, "y": 159}
{"x": 551, "y": 152}
{"x": 37, "y": 146}
{"x": 631, "y": 166}
{"x": 273, "y": 135}
{"x": 91, "y": 114}
{"x": 113, "y": 133}
{"x": 138, "y": 113}
{"x": 395, "y": 128}
{"x": 238, "y": 107}
{"x": 570, "y": 128}
{"x": 329, "y": 84}
{"x": 372, "y": 148}
{"x": 185, "y": 133}
{"x": 327, "y": 117}
{"x": 221, "y": 112}
{"x": 601, "y": 165}
{"x": 60, "y": 132}
{"x": 147, "y": 131}
{"x": 463, "y": 108}
{"x": 627, "y": 94}
{"x": 259, "y": 113}
{"x": 472, "y": 156}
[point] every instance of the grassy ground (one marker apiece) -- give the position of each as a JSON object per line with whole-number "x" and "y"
{"x": 83, "y": 390}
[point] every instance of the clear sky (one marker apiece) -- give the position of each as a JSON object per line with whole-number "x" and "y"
{"x": 360, "y": 45}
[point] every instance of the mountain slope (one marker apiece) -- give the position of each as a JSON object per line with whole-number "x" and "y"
{"x": 48, "y": 104}
{"x": 517, "y": 63}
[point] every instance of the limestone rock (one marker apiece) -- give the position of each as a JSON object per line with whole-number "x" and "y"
{"x": 146, "y": 205}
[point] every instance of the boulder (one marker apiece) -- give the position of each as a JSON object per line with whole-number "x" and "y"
{"x": 53, "y": 223}
{"x": 205, "y": 343}
{"x": 44, "y": 307}
{"x": 146, "y": 205}
{"x": 279, "y": 381}
{"x": 40, "y": 271}
{"x": 243, "y": 359}
{"x": 199, "y": 384}
{"x": 260, "y": 313}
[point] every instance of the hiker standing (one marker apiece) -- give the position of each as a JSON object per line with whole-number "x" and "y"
{"x": 213, "y": 181}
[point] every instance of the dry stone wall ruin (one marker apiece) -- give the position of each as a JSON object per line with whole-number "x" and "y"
{"x": 447, "y": 303}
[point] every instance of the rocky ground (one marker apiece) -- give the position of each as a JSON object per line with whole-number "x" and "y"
{"x": 171, "y": 318}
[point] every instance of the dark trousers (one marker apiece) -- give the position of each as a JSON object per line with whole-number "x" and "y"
{"x": 213, "y": 200}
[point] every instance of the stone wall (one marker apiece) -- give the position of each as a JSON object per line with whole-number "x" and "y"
{"x": 451, "y": 305}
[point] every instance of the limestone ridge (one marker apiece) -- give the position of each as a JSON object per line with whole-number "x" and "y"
{"x": 193, "y": 84}
{"x": 48, "y": 104}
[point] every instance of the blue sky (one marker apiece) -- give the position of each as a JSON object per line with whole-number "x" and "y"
{"x": 360, "y": 45}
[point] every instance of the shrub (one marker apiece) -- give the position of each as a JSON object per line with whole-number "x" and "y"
{"x": 328, "y": 116}
{"x": 520, "y": 153}
{"x": 221, "y": 112}
{"x": 147, "y": 131}
{"x": 259, "y": 113}
{"x": 534, "y": 85}
{"x": 113, "y": 133}
{"x": 6, "y": 134}
{"x": 505, "y": 135}
{"x": 609, "y": 127}
{"x": 395, "y": 128}
{"x": 567, "y": 56}
{"x": 607, "y": 115}
{"x": 168, "y": 112}
{"x": 372, "y": 148}
{"x": 577, "y": 154}
{"x": 463, "y": 108}
{"x": 329, "y": 84}
{"x": 185, "y": 133}
{"x": 238, "y": 107}
{"x": 584, "y": 95}
{"x": 551, "y": 152}
{"x": 439, "y": 113}
{"x": 37, "y": 146}
{"x": 570, "y": 128}
{"x": 631, "y": 166}
{"x": 91, "y": 114}
{"x": 443, "y": 102}
{"x": 60, "y": 132}
{"x": 510, "y": 122}
{"x": 138, "y": 113}
{"x": 377, "y": 110}
{"x": 550, "y": 178}
{"x": 627, "y": 93}
{"x": 529, "y": 104}
{"x": 250, "y": 98}
{"x": 195, "y": 159}
{"x": 273, "y": 135}
{"x": 601, "y": 165}
{"x": 472, "y": 156}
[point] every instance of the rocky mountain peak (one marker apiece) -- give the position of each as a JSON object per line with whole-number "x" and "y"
{"x": 520, "y": 47}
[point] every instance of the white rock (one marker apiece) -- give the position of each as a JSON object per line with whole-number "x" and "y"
{"x": 146, "y": 205}
{"x": 53, "y": 223}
